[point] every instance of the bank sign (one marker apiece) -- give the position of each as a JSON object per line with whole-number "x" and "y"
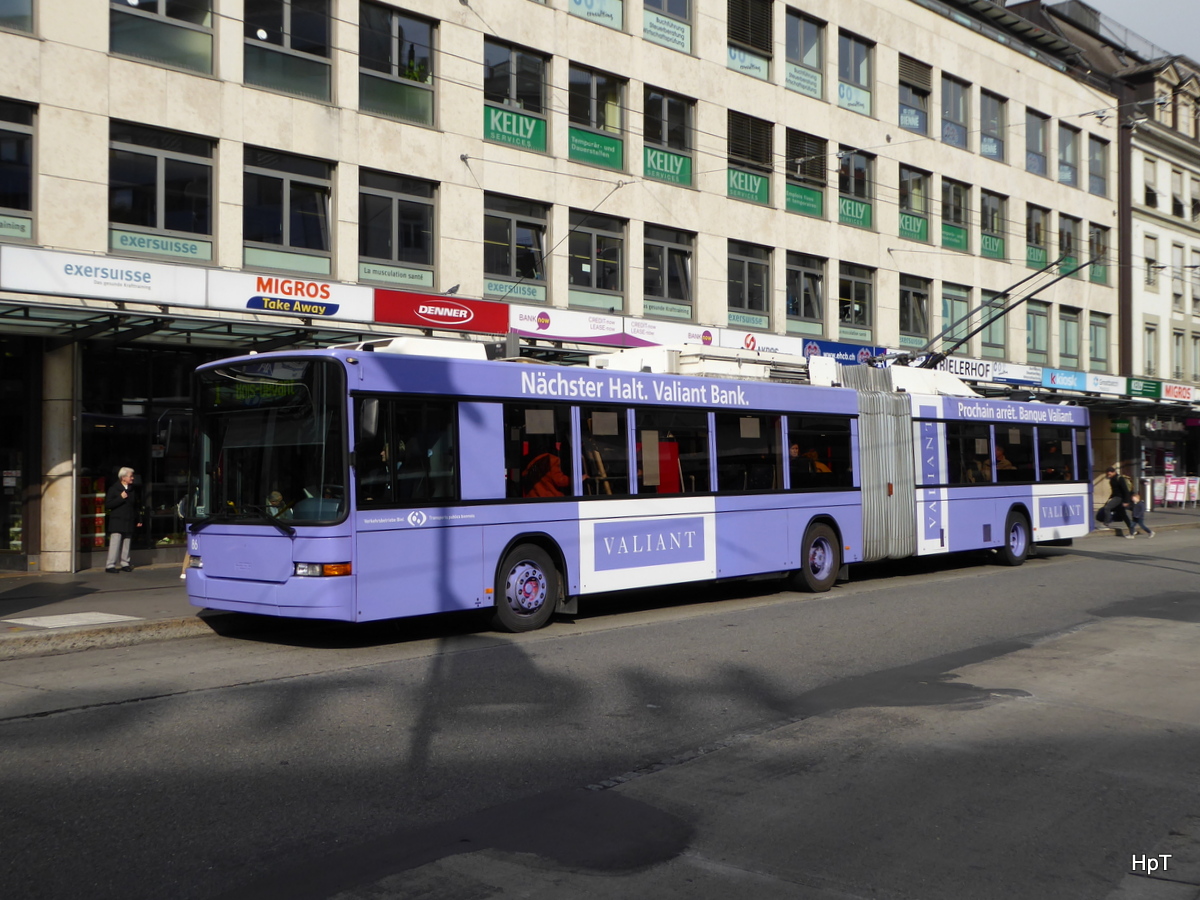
{"x": 290, "y": 296}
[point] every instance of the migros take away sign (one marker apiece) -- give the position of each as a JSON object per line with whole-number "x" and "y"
{"x": 290, "y": 296}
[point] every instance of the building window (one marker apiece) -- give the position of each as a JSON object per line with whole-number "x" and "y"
{"x": 1068, "y": 155}
{"x": 749, "y": 277}
{"x": 514, "y": 77}
{"x": 956, "y": 111}
{"x": 854, "y": 74}
{"x": 17, "y": 15}
{"x": 667, "y": 134}
{"x": 855, "y": 296}
{"x": 1069, "y": 237}
{"x": 395, "y": 57}
{"x": 597, "y": 254}
{"x": 1195, "y": 267}
{"x": 16, "y": 169}
{"x": 514, "y": 242}
{"x": 956, "y": 304}
{"x": 1098, "y": 253}
{"x": 1195, "y": 199}
{"x": 1195, "y": 357}
{"x": 1177, "y": 371}
{"x": 750, "y": 24}
{"x": 1177, "y": 204}
{"x": 1177, "y": 277}
{"x": 1036, "y": 126}
{"x": 159, "y": 183}
{"x": 1098, "y": 327}
{"x": 1150, "y": 182}
{"x": 1097, "y": 166}
{"x": 806, "y": 288}
{"x": 807, "y": 172}
{"x": 667, "y": 271}
{"x": 676, "y": 9}
{"x": 993, "y": 337}
{"x": 956, "y": 206}
{"x": 287, "y": 46}
{"x": 1151, "y": 257}
{"x": 395, "y": 228}
{"x": 1150, "y": 350}
{"x": 1068, "y": 338}
{"x": 914, "y": 311}
{"x": 749, "y": 153}
{"x": 750, "y": 142}
{"x": 992, "y": 223}
{"x": 916, "y": 84}
{"x": 595, "y": 100}
{"x": 668, "y": 120}
{"x": 162, "y": 31}
{"x": 991, "y": 125}
{"x": 1037, "y": 226}
{"x": 856, "y": 183}
{"x": 1037, "y": 331}
{"x": 914, "y": 204}
{"x": 286, "y": 211}
{"x": 805, "y": 41}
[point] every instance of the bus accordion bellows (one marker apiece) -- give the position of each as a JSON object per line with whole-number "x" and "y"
{"x": 415, "y": 476}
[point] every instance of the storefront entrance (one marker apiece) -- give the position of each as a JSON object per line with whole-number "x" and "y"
{"x": 20, "y": 456}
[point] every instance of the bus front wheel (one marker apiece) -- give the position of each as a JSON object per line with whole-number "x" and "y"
{"x": 1016, "y": 544}
{"x": 819, "y": 560}
{"x": 527, "y": 589}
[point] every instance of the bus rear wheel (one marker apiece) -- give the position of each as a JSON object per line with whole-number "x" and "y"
{"x": 820, "y": 560}
{"x": 527, "y": 589}
{"x": 1016, "y": 544}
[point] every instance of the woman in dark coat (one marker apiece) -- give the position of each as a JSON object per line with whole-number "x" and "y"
{"x": 122, "y": 506}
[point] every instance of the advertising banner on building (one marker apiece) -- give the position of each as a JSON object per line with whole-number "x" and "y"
{"x": 1015, "y": 373}
{"x": 1104, "y": 384}
{"x": 734, "y": 339}
{"x": 1146, "y": 388}
{"x": 440, "y": 312}
{"x": 1180, "y": 393}
{"x": 651, "y": 333}
{"x": 1064, "y": 380}
{"x": 566, "y": 325}
{"x": 290, "y": 296}
{"x": 78, "y": 275}
{"x": 967, "y": 369}
{"x": 846, "y": 354}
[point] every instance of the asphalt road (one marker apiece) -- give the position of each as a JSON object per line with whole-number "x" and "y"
{"x": 689, "y": 744}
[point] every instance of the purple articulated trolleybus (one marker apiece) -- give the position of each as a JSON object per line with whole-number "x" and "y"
{"x": 415, "y": 476}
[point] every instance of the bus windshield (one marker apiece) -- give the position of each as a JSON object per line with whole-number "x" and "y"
{"x": 270, "y": 444}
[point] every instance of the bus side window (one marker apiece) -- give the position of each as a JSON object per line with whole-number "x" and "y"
{"x": 604, "y": 452}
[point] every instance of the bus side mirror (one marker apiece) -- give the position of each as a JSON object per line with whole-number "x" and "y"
{"x": 368, "y": 418}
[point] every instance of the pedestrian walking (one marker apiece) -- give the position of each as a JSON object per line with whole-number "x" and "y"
{"x": 1137, "y": 512}
{"x": 122, "y": 506}
{"x": 1119, "y": 500}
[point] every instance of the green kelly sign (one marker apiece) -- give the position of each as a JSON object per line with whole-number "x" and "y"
{"x": 1144, "y": 387}
{"x": 854, "y": 212}
{"x": 662, "y": 165}
{"x": 1118, "y": 426}
{"x": 954, "y": 237}
{"x": 595, "y": 149}
{"x": 1035, "y": 257}
{"x": 991, "y": 246}
{"x": 915, "y": 228}
{"x": 805, "y": 201}
{"x": 1098, "y": 274}
{"x": 748, "y": 186}
{"x": 503, "y": 126}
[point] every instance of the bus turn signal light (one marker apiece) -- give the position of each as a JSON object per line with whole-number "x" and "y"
{"x": 310, "y": 570}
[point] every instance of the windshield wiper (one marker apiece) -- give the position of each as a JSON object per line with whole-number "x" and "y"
{"x": 271, "y": 520}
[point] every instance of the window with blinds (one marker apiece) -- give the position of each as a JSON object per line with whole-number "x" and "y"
{"x": 749, "y": 142}
{"x": 750, "y": 24}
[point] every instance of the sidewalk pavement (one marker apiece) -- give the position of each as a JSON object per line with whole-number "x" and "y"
{"x": 44, "y": 614}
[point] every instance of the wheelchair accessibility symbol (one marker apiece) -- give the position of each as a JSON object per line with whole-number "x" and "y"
{"x": 416, "y": 518}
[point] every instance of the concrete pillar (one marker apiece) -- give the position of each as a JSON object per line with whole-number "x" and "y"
{"x": 59, "y": 505}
